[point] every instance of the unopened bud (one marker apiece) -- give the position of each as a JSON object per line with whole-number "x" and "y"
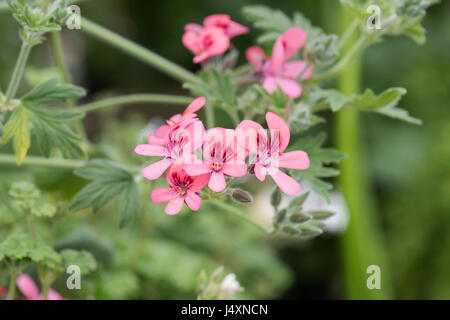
{"x": 275, "y": 198}
{"x": 241, "y": 196}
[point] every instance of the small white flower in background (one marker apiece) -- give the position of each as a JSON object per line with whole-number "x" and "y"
{"x": 230, "y": 284}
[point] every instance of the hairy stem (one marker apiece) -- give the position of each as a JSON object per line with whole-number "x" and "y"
{"x": 12, "y": 285}
{"x": 238, "y": 213}
{"x": 18, "y": 72}
{"x": 134, "y": 98}
{"x": 137, "y": 51}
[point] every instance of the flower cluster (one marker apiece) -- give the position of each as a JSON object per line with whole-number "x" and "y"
{"x": 213, "y": 38}
{"x": 224, "y": 155}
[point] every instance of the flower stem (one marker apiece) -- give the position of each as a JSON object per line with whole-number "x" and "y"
{"x": 18, "y": 72}
{"x": 137, "y": 51}
{"x": 12, "y": 285}
{"x": 345, "y": 60}
{"x": 134, "y": 98}
{"x": 238, "y": 213}
{"x": 209, "y": 113}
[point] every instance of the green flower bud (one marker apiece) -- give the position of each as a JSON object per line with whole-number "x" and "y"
{"x": 322, "y": 50}
{"x": 241, "y": 196}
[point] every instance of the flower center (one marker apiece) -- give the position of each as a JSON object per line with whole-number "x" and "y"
{"x": 182, "y": 190}
{"x": 216, "y": 166}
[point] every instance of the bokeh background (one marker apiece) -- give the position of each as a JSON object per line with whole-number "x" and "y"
{"x": 406, "y": 168}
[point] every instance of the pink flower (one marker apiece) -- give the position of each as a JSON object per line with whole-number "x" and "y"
{"x": 3, "y": 292}
{"x": 182, "y": 139}
{"x": 160, "y": 136}
{"x": 31, "y": 292}
{"x": 222, "y": 156}
{"x": 223, "y": 21}
{"x": 183, "y": 188}
{"x": 275, "y": 70}
{"x": 205, "y": 42}
{"x": 270, "y": 156}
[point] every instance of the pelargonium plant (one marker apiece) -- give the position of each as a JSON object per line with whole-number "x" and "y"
{"x": 272, "y": 103}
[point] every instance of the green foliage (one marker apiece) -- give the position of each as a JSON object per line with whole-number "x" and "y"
{"x": 83, "y": 259}
{"x": 48, "y": 124}
{"x": 38, "y": 17}
{"x": 275, "y": 22}
{"x": 385, "y": 103}
{"x": 319, "y": 157}
{"x": 108, "y": 181}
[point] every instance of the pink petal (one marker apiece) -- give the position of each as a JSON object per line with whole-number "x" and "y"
{"x": 292, "y": 69}
{"x": 193, "y": 200}
{"x": 192, "y": 41}
{"x": 174, "y": 206}
{"x": 260, "y": 171}
{"x": 298, "y": 160}
{"x": 235, "y": 169}
{"x": 201, "y": 57}
{"x": 193, "y": 27}
{"x": 217, "y": 182}
{"x": 279, "y": 131}
{"x": 292, "y": 40}
{"x": 247, "y": 133}
{"x": 217, "y": 39}
{"x": 53, "y": 295}
{"x": 27, "y": 286}
{"x": 160, "y": 136}
{"x": 195, "y": 105}
{"x": 199, "y": 182}
{"x": 195, "y": 132}
{"x": 290, "y": 87}
{"x": 196, "y": 169}
{"x": 217, "y": 20}
{"x": 162, "y": 195}
{"x": 151, "y": 150}
{"x": 286, "y": 183}
{"x": 155, "y": 170}
{"x": 236, "y": 29}
{"x": 256, "y": 57}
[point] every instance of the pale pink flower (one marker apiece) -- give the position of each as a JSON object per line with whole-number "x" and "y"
{"x": 205, "y": 42}
{"x": 222, "y": 156}
{"x": 276, "y": 71}
{"x": 183, "y": 188}
{"x": 270, "y": 156}
{"x": 31, "y": 292}
{"x": 223, "y": 21}
{"x": 182, "y": 139}
{"x": 161, "y": 135}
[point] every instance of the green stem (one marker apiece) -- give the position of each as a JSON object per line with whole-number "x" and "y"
{"x": 137, "y": 51}
{"x": 18, "y": 72}
{"x": 209, "y": 113}
{"x": 32, "y": 227}
{"x": 348, "y": 33}
{"x": 134, "y": 98}
{"x": 238, "y": 213}
{"x": 58, "y": 55}
{"x": 12, "y": 285}
{"x": 349, "y": 57}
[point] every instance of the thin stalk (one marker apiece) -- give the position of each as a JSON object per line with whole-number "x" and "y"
{"x": 32, "y": 228}
{"x": 134, "y": 98}
{"x": 349, "y": 57}
{"x": 209, "y": 113}
{"x": 18, "y": 72}
{"x": 238, "y": 213}
{"x": 12, "y": 285}
{"x": 137, "y": 51}
{"x": 349, "y": 32}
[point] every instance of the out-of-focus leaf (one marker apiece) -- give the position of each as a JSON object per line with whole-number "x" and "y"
{"x": 83, "y": 259}
{"x": 17, "y": 128}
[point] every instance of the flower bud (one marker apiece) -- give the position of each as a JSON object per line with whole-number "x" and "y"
{"x": 322, "y": 50}
{"x": 241, "y": 196}
{"x": 275, "y": 198}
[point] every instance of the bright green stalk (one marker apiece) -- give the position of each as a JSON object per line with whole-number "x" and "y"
{"x": 238, "y": 213}
{"x": 43, "y": 162}
{"x": 18, "y": 72}
{"x": 137, "y": 51}
{"x": 361, "y": 244}
{"x": 12, "y": 285}
{"x": 135, "y": 98}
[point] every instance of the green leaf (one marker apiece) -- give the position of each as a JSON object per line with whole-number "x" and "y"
{"x": 333, "y": 97}
{"x": 17, "y": 128}
{"x": 83, "y": 259}
{"x": 46, "y": 256}
{"x": 319, "y": 157}
{"x": 44, "y": 209}
{"x": 356, "y": 7}
{"x": 51, "y": 91}
{"x": 17, "y": 247}
{"x": 320, "y": 214}
{"x": 108, "y": 181}
{"x": 49, "y": 126}
{"x": 417, "y": 32}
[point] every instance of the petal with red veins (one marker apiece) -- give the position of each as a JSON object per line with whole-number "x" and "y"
{"x": 279, "y": 132}
{"x": 247, "y": 133}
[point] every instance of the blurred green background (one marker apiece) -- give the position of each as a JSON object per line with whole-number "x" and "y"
{"x": 406, "y": 167}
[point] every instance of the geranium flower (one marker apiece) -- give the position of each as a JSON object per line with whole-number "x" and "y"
{"x": 183, "y": 188}
{"x": 160, "y": 136}
{"x": 182, "y": 139}
{"x": 270, "y": 156}
{"x": 222, "y": 156}
{"x": 276, "y": 71}
{"x": 205, "y": 42}
{"x": 29, "y": 289}
{"x": 223, "y": 21}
